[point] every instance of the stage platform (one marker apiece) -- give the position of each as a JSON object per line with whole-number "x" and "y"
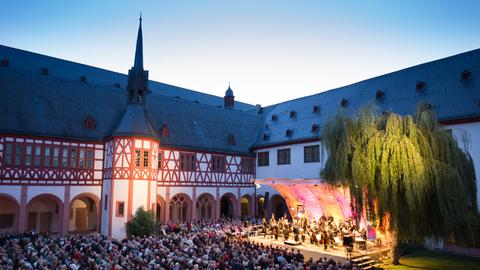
{"x": 338, "y": 253}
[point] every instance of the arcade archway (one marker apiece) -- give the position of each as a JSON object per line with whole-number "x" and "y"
{"x": 278, "y": 207}
{"x": 8, "y": 214}
{"x": 180, "y": 208}
{"x": 45, "y": 214}
{"x": 260, "y": 206}
{"x": 245, "y": 206}
{"x": 84, "y": 213}
{"x": 227, "y": 205}
{"x": 205, "y": 207}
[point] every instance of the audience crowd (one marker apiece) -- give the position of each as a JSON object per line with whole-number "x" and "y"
{"x": 201, "y": 245}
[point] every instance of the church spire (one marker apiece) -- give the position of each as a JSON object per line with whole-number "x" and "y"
{"x": 137, "y": 77}
{"x": 139, "y": 48}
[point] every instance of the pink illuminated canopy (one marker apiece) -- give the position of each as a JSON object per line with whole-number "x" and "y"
{"x": 313, "y": 196}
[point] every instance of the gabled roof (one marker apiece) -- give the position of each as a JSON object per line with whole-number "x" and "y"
{"x": 450, "y": 96}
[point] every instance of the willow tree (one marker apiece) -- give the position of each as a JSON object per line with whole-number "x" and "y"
{"x": 407, "y": 173}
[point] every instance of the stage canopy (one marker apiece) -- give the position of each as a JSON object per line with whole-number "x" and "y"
{"x": 312, "y": 198}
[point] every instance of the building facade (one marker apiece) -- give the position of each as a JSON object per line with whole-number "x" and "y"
{"x": 81, "y": 148}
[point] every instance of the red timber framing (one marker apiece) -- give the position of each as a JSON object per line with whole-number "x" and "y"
{"x": 171, "y": 173}
{"x": 124, "y": 157}
{"x": 131, "y": 159}
{"x": 49, "y": 161}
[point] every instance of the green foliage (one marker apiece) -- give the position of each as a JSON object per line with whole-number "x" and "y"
{"x": 141, "y": 224}
{"x": 408, "y": 167}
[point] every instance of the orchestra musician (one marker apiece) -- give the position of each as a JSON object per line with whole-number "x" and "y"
{"x": 319, "y": 232}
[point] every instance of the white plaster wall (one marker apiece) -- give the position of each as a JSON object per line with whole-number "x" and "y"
{"x": 14, "y": 191}
{"x": 297, "y": 169}
{"x": 120, "y": 193}
{"x": 210, "y": 190}
{"x": 162, "y": 191}
{"x": 76, "y": 190}
{"x": 232, "y": 190}
{"x": 58, "y": 191}
{"x": 472, "y": 131}
{"x": 140, "y": 193}
{"x": 247, "y": 191}
{"x": 187, "y": 190}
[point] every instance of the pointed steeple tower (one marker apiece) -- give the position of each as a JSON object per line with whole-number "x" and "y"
{"x": 138, "y": 77}
{"x": 135, "y": 142}
{"x": 135, "y": 121}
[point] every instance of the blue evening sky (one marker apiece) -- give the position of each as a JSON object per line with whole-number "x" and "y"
{"x": 271, "y": 51}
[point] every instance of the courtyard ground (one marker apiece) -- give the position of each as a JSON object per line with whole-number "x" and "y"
{"x": 429, "y": 260}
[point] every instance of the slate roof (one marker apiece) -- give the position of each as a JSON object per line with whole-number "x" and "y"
{"x": 36, "y": 104}
{"x": 451, "y": 97}
{"x": 58, "y": 104}
{"x": 33, "y": 62}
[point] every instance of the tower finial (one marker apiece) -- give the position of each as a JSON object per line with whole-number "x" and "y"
{"x": 139, "y": 48}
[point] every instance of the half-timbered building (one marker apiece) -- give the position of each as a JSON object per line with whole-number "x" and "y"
{"x": 82, "y": 148}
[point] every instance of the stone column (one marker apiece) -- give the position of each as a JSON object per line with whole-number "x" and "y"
{"x": 194, "y": 203}
{"x": 217, "y": 203}
{"x": 22, "y": 213}
{"x": 167, "y": 204}
{"x": 239, "y": 203}
{"x": 66, "y": 211}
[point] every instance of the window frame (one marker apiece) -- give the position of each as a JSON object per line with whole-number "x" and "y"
{"x": 137, "y": 158}
{"x": 314, "y": 155}
{"x": 247, "y": 165}
{"x": 8, "y": 158}
{"x": 192, "y": 167}
{"x": 263, "y": 159}
{"x": 282, "y": 157}
{"x": 218, "y": 163}
{"x": 117, "y": 209}
{"x": 146, "y": 157}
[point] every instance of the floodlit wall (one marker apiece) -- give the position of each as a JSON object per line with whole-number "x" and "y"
{"x": 297, "y": 169}
{"x": 470, "y": 131}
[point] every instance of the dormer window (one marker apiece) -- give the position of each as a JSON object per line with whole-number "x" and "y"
{"x": 231, "y": 139}
{"x": 5, "y": 62}
{"x": 316, "y": 109}
{"x": 315, "y": 128}
{"x": 274, "y": 117}
{"x": 293, "y": 114}
{"x": 466, "y": 75}
{"x": 83, "y": 79}
{"x": 344, "y": 102}
{"x": 288, "y": 132}
{"x": 266, "y": 137}
{"x": 379, "y": 94}
{"x": 44, "y": 71}
{"x": 90, "y": 123}
{"x": 165, "y": 131}
{"x": 420, "y": 85}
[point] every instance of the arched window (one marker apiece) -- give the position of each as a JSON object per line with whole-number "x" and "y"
{"x": 204, "y": 207}
{"x": 90, "y": 123}
{"x": 165, "y": 131}
{"x": 179, "y": 206}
